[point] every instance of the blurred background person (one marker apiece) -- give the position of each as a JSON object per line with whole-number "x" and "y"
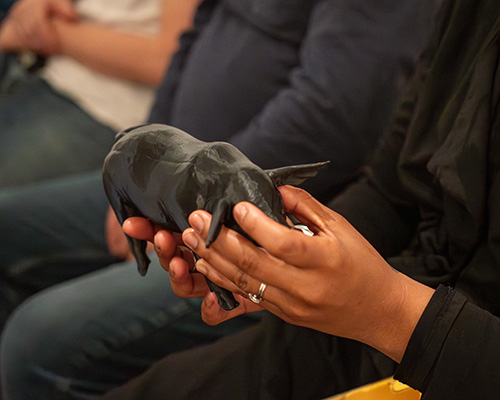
{"x": 287, "y": 83}
{"x": 102, "y": 63}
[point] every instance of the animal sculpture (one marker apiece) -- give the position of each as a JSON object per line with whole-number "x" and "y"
{"x": 162, "y": 173}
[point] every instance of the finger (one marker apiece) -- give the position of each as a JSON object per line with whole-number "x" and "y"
{"x": 306, "y": 208}
{"x": 232, "y": 256}
{"x": 166, "y": 248}
{"x": 165, "y": 245}
{"x": 212, "y": 313}
{"x": 249, "y": 267}
{"x": 139, "y": 228}
{"x": 225, "y": 273}
{"x": 288, "y": 245}
{"x": 64, "y": 9}
{"x": 216, "y": 276}
{"x": 184, "y": 283}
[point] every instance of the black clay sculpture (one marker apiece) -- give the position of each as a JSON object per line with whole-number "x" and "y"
{"x": 162, "y": 173}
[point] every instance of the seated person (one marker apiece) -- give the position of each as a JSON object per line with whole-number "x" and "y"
{"x": 63, "y": 119}
{"x": 403, "y": 267}
{"x": 283, "y": 87}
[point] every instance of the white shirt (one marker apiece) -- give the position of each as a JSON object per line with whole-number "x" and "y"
{"x": 115, "y": 102}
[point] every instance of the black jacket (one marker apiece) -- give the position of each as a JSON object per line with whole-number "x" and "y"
{"x": 430, "y": 203}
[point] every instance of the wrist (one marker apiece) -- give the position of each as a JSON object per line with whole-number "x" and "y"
{"x": 403, "y": 305}
{"x": 59, "y": 26}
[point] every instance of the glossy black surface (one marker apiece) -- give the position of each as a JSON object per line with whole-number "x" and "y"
{"x": 162, "y": 173}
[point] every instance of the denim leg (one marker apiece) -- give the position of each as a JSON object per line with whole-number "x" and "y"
{"x": 49, "y": 232}
{"x": 60, "y": 216}
{"x": 83, "y": 337}
{"x": 45, "y": 135}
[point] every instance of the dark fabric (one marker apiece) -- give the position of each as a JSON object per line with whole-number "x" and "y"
{"x": 437, "y": 171}
{"x": 4, "y": 7}
{"x": 343, "y": 39}
{"x": 428, "y": 337}
{"x": 453, "y": 351}
{"x": 430, "y": 204}
{"x": 436, "y": 175}
{"x": 315, "y": 79}
{"x": 271, "y": 360}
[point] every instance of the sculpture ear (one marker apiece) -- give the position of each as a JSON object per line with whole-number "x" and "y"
{"x": 294, "y": 174}
{"x": 219, "y": 215}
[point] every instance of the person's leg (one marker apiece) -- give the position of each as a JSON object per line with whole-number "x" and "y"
{"x": 86, "y": 336}
{"x": 45, "y": 135}
{"x": 51, "y": 231}
{"x": 270, "y": 360}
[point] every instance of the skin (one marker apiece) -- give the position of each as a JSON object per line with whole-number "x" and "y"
{"x": 116, "y": 239}
{"x": 346, "y": 288}
{"x": 28, "y": 25}
{"x": 50, "y": 27}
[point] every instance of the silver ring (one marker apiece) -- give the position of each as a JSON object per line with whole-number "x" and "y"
{"x": 258, "y": 297}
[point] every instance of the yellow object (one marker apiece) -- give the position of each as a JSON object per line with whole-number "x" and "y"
{"x": 386, "y": 389}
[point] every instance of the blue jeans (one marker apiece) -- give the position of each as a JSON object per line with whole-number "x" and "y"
{"x": 50, "y": 231}
{"x": 84, "y": 336}
{"x": 44, "y": 134}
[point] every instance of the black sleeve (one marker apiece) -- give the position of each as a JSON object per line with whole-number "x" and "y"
{"x": 454, "y": 350}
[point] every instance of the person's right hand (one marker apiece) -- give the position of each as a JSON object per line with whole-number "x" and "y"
{"x": 28, "y": 25}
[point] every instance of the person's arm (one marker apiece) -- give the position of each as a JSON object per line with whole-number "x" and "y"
{"x": 138, "y": 58}
{"x": 447, "y": 347}
{"x": 453, "y": 352}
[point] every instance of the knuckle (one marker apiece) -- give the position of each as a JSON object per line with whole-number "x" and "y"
{"x": 283, "y": 246}
{"x": 297, "y": 312}
{"x": 290, "y": 245}
{"x": 241, "y": 279}
{"x": 312, "y": 298}
{"x": 307, "y": 301}
{"x": 246, "y": 263}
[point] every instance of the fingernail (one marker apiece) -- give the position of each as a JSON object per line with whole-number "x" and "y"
{"x": 190, "y": 240}
{"x": 197, "y": 223}
{"x": 157, "y": 246}
{"x": 240, "y": 210}
{"x": 201, "y": 268}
